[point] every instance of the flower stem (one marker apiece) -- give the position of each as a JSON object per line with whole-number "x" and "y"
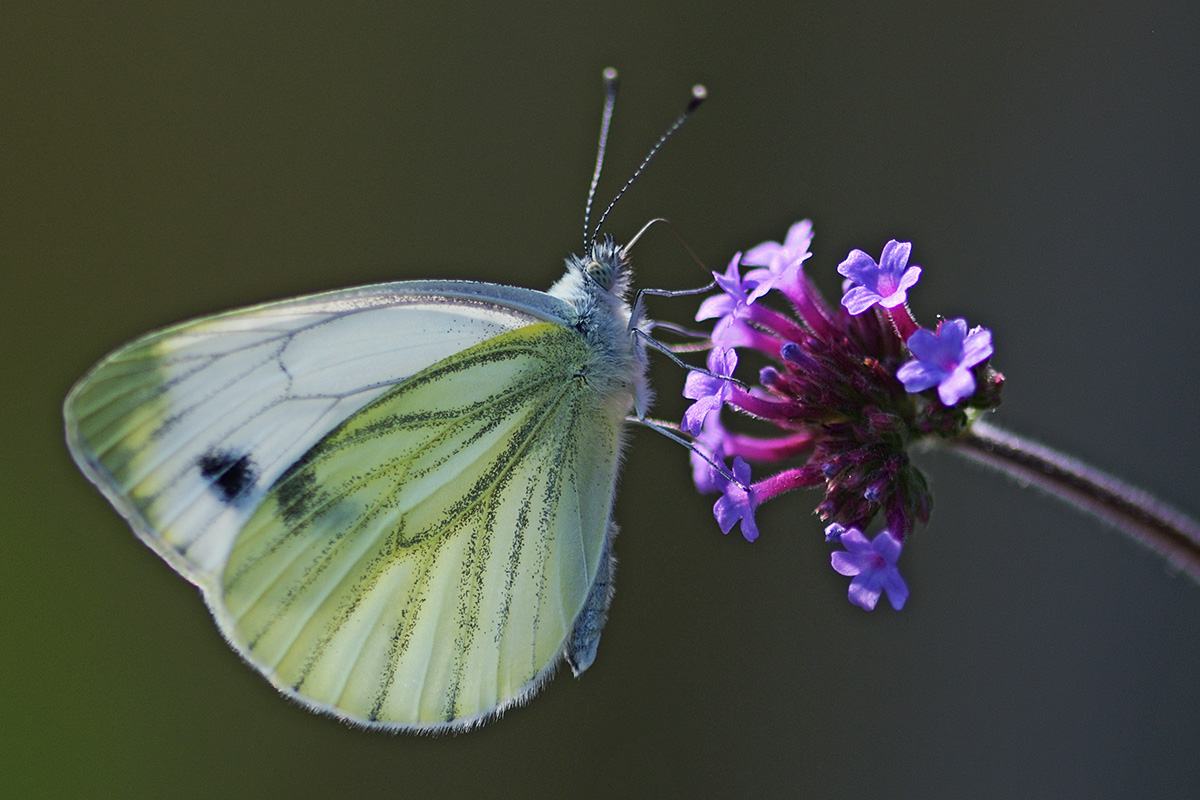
{"x": 902, "y": 321}
{"x": 1144, "y": 518}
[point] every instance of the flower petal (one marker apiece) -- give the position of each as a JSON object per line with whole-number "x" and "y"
{"x": 761, "y": 255}
{"x": 925, "y": 345}
{"x": 896, "y": 588}
{"x": 860, "y": 268}
{"x": 864, "y": 592}
{"x": 894, "y": 257}
{"x": 954, "y": 387}
{"x": 859, "y": 299}
{"x": 720, "y": 305}
{"x": 952, "y": 333}
{"x": 917, "y": 376}
{"x": 846, "y": 563}
{"x": 977, "y": 347}
{"x": 888, "y": 547}
{"x": 909, "y": 278}
{"x": 854, "y": 541}
{"x": 800, "y": 235}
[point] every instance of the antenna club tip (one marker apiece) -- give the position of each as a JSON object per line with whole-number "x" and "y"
{"x": 609, "y": 74}
{"x": 699, "y": 92}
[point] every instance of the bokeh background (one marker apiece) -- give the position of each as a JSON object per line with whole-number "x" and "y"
{"x": 164, "y": 160}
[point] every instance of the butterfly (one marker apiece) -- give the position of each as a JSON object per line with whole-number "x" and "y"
{"x": 396, "y": 500}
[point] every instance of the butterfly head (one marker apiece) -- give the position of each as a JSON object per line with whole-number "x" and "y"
{"x": 606, "y": 264}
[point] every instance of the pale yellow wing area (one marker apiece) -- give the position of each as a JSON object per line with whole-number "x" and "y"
{"x": 422, "y": 566}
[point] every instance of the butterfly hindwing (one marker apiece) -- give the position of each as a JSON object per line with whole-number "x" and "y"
{"x": 424, "y": 564}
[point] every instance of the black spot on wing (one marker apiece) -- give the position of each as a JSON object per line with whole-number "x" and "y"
{"x": 231, "y": 474}
{"x": 297, "y": 494}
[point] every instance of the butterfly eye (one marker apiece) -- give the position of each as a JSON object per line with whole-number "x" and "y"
{"x": 601, "y": 273}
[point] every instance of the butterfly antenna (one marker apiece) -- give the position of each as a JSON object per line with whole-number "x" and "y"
{"x": 610, "y": 99}
{"x": 699, "y": 94}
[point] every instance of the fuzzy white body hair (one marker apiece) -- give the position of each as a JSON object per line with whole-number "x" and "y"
{"x": 596, "y": 289}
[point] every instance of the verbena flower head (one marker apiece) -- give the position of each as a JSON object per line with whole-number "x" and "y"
{"x": 848, "y": 391}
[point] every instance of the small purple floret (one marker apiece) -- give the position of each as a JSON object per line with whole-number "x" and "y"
{"x": 737, "y": 502}
{"x": 782, "y": 262}
{"x": 733, "y": 297}
{"x": 709, "y": 391}
{"x": 873, "y": 565}
{"x": 885, "y": 283}
{"x": 944, "y": 359}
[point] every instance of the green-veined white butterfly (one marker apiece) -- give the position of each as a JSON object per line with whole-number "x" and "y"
{"x": 395, "y": 499}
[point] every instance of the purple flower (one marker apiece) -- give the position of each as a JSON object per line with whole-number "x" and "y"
{"x": 782, "y": 262}
{"x": 737, "y": 501}
{"x": 944, "y": 359}
{"x": 709, "y": 391}
{"x": 829, "y": 383}
{"x": 885, "y": 283}
{"x": 873, "y": 565}
{"x": 734, "y": 296}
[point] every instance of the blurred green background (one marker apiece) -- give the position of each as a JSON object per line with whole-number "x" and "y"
{"x": 161, "y": 161}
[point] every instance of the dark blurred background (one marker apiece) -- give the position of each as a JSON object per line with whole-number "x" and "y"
{"x": 162, "y": 161}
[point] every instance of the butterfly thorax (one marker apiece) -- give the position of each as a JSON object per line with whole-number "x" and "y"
{"x": 595, "y": 287}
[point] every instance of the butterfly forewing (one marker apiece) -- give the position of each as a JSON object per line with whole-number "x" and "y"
{"x": 185, "y": 429}
{"x": 424, "y": 564}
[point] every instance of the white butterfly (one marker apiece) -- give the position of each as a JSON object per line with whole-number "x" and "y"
{"x": 395, "y": 499}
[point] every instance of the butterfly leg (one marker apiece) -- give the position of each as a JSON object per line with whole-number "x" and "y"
{"x": 585, "y": 636}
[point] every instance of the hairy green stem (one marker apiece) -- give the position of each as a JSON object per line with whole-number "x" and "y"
{"x": 1146, "y": 519}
